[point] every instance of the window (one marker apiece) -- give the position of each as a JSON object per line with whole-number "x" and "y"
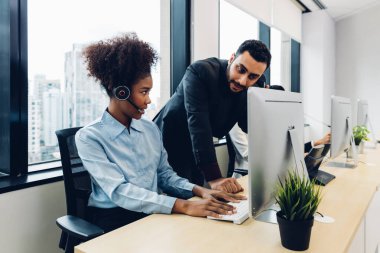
{"x": 60, "y": 94}
{"x": 236, "y": 26}
{"x": 280, "y": 45}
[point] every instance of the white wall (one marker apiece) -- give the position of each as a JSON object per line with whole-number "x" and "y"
{"x": 317, "y": 70}
{"x": 27, "y": 219}
{"x": 204, "y": 29}
{"x": 358, "y": 57}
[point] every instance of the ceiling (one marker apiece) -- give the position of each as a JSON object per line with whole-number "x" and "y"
{"x": 339, "y": 9}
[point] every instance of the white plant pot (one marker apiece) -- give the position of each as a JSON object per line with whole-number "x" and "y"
{"x": 360, "y": 148}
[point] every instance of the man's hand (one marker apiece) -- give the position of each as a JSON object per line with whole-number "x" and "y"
{"x": 221, "y": 195}
{"x": 324, "y": 140}
{"x": 216, "y": 194}
{"x": 230, "y": 185}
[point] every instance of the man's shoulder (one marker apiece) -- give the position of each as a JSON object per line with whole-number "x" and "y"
{"x": 210, "y": 69}
{"x": 212, "y": 63}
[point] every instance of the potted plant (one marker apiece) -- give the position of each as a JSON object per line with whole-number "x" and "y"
{"x": 298, "y": 198}
{"x": 360, "y": 135}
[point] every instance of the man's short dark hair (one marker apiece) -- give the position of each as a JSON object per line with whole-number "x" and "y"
{"x": 257, "y": 49}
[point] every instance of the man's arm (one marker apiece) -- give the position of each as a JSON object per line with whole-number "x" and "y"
{"x": 196, "y": 99}
{"x": 324, "y": 140}
{"x": 311, "y": 144}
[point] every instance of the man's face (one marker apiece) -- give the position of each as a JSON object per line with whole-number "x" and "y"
{"x": 243, "y": 71}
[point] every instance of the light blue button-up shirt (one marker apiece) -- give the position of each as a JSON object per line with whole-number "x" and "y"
{"x": 129, "y": 168}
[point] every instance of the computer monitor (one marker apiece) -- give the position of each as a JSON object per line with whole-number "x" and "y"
{"x": 275, "y": 143}
{"x": 362, "y": 117}
{"x": 364, "y": 120}
{"x": 341, "y": 131}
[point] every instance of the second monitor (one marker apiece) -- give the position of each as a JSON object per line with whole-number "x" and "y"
{"x": 364, "y": 120}
{"x": 341, "y": 131}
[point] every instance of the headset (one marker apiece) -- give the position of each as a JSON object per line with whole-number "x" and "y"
{"x": 123, "y": 93}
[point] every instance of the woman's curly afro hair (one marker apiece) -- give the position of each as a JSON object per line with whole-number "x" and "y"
{"x": 120, "y": 61}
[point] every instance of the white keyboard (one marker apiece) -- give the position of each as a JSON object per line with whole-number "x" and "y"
{"x": 237, "y": 218}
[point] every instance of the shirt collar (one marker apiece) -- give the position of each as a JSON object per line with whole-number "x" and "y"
{"x": 137, "y": 125}
{"x": 115, "y": 128}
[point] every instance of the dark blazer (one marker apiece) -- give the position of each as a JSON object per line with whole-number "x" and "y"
{"x": 202, "y": 107}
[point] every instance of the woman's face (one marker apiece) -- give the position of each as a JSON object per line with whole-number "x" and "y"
{"x": 139, "y": 97}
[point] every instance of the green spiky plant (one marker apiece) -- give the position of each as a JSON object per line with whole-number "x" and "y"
{"x": 298, "y": 197}
{"x": 360, "y": 133}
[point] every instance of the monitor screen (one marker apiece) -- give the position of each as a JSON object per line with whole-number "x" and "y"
{"x": 273, "y": 116}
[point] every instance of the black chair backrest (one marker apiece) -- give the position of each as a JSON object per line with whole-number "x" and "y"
{"x": 77, "y": 181}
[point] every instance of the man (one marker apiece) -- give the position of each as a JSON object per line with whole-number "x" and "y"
{"x": 209, "y": 101}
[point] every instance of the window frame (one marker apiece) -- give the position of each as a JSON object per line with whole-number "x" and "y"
{"x": 264, "y": 36}
{"x": 14, "y": 123}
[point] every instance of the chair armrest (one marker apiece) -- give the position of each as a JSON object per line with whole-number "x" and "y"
{"x": 78, "y": 227}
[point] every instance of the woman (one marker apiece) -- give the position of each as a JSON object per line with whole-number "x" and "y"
{"x": 124, "y": 154}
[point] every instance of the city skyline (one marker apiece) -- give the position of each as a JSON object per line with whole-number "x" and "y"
{"x": 76, "y": 101}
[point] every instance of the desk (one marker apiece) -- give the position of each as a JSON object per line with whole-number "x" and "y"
{"x": 346, "y": 198}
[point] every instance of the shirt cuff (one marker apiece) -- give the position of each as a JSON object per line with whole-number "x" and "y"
{"x": 188, "y": 191}
{"x": 211, "y": 171}
{"x": 189, "y": 186}
{"x": 168, "y": 205}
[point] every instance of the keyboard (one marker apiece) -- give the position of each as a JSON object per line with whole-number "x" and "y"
{"x": 323, "y": 178}
{"x": 237, "y": 218}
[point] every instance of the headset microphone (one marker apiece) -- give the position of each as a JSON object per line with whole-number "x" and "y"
{"x": 123, "y": 93}
{"x": 135, "y": 106}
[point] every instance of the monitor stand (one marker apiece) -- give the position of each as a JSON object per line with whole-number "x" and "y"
{"x": 269, "y": 215}
{"x": 300, "y": 161}
{"x": 343, "y": 165}
{"x": 347, "y": 164}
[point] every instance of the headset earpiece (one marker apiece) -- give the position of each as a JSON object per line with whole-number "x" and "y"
{"x": 121, "y": 92}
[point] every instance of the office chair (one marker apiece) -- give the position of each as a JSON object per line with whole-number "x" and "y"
{"x": 75, "y": 227}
